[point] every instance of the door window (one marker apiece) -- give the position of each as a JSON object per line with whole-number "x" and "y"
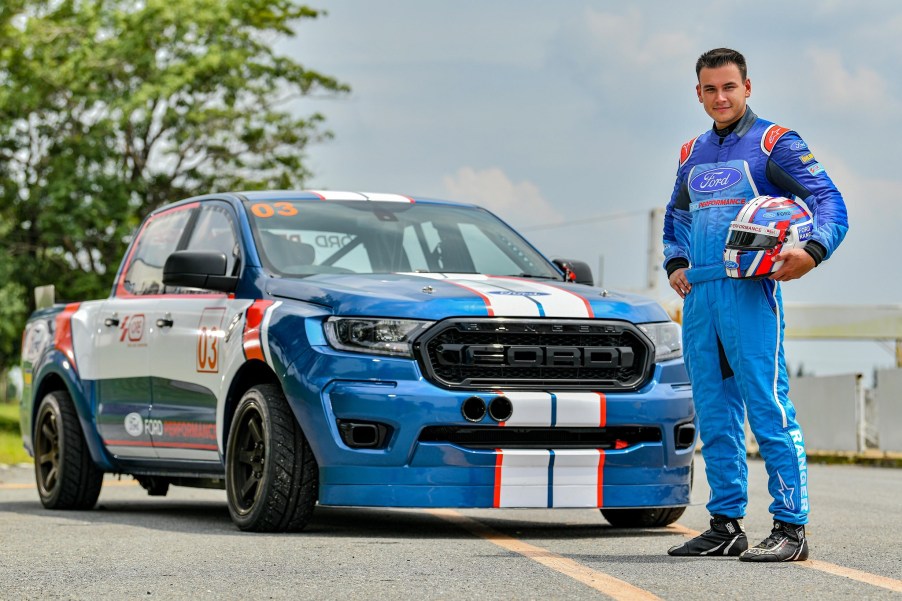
{"x": 159, "y": 238}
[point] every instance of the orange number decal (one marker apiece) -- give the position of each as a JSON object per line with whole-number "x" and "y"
{"x": 208, "y": 350}
{"x": 263, "y": 210}
{"x": 286, "y": 209}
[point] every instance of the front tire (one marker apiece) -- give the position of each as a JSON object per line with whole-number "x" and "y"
{"x": 272, "y": 479}
{"x": 653, "y": 517}
{"x": 64, "y": 471}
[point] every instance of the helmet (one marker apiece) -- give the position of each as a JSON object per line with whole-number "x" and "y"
{"x": 764, "y": 227}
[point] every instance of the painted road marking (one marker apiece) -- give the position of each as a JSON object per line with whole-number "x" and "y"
{"x": 610, "y": 586}
{"x": 27, "y": 485}
{"x": 823, "y": 566}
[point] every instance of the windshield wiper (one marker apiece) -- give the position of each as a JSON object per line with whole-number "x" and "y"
{"x": 530, "y": 275}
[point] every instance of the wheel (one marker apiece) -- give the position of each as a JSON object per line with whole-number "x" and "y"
{"x": 65, "y": 473}
{"x": 651, "y": 517}
{"x": 155, "y": 486}
{"x": 272, "y": 479}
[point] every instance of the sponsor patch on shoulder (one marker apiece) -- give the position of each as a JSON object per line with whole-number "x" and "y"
{"x": 816, "y": 169}
{"x": 798, "y": 145}
{"x": 807, "y": 158}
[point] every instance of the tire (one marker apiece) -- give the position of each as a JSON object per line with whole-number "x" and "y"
{"x": 651, "y": 517}
{"x": 272, "y": 478}
{"x": 64, "y": 471}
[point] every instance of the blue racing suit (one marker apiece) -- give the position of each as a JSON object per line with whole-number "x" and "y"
{"x": 733, "y": 328}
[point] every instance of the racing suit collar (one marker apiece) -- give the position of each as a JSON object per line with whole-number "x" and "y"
{"x": 741, "y": 127}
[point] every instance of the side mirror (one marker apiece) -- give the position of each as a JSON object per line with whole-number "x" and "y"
{"x": 198, "y": 269}
{"x": 575, "y": 271}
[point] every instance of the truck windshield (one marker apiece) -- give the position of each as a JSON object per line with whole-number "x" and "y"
{"x": 301, "y": 238}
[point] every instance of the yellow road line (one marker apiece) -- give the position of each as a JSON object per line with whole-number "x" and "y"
{"x": 27, "y": 485}
{"x": 823, "y": 566}
{"x": 610, "y": 586}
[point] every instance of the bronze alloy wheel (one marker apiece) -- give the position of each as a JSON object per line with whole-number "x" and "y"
{"x": 248, "y": 454}
{"x": 47, "y": 450}
{"x": 65, "y": 473}
{"x": 272, "y": 478}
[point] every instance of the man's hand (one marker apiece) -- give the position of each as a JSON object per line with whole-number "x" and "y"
{"x": 796, "y": 263}
{"x": 679, "y": 282}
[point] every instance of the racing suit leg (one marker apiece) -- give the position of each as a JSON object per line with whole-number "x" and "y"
{"x": 721, "y": 413}
{"x": 751, "y": 328}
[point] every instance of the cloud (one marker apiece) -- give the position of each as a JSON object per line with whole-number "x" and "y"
{"x": 519, "y": 203}
{"x": 840, "y": 88}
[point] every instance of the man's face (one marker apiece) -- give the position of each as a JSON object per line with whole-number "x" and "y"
{"x": 723, "y": 93}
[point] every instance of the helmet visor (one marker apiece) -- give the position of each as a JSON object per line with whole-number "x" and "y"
{"x": 751, "y": 241}
{"x": 751, "y": 236}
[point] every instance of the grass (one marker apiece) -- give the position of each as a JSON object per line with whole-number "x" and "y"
{"x": 11, "y": 450}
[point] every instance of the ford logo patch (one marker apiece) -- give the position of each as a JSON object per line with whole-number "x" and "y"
{"x": 714, "y": 180}
{"x": 783, "y": 214}
{"x": 798, "y": 145}
{"x": 517, "y": 293}
{"x": 731, "y": 264}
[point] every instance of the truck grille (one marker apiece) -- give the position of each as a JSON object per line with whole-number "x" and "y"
{"x": 493, "y": 437}
{"x": 501, "y": 353}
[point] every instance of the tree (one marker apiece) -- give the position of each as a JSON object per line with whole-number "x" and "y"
{"x": 109, "y": 108}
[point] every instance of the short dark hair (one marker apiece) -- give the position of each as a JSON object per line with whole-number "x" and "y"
{"x": 719, "y": 57}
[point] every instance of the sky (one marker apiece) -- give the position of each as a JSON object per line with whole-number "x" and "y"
{"x": 566, "y": 118}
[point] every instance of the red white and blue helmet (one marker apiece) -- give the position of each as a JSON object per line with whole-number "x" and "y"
{"x": 766, "y": 226}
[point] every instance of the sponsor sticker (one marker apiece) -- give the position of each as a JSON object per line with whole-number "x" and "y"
{"x": 714, "y": 180}
{"x": 134, "y": 424}
{"x": 816, "y": 169}
{"x": 782, "y": 214}
{"x": 716, "y": 202}
{"x": 807, "y": 158}
{"x": 731, "y": 264}
{"x": 798, "y": 145}
{"x": 805, "y": 232}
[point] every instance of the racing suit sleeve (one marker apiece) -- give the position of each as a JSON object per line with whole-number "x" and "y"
{"x": 792, "y": 167}
{"x": 677, "y": 222}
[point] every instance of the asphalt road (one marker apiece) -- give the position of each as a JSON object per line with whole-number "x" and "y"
{"x": 184, "y": 546}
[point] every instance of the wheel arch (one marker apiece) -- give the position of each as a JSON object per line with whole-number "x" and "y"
{"x": 251, "y": 374}
{"x": 51, "y": 379}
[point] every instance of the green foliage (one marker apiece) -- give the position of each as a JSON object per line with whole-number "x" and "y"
{"x": 109, "y": 108}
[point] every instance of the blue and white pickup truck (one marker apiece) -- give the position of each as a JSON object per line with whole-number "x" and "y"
{"x": 339, "y": 348}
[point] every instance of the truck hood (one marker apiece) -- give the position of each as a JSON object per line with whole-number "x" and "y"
{"x": 435, "y": 296}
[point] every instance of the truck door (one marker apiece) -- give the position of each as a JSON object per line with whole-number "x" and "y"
{"x": 191, "y": 354}
{"x": 124, "y": 327}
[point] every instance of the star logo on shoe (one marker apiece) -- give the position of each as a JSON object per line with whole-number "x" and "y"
{"x": 783, "y": 490}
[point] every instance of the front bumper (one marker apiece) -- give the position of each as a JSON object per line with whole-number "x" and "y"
{"x": 326, "y": 387}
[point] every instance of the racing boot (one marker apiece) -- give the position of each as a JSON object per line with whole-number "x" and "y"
{"x": 786, "y": 542}
{"x": 726, "y": 537}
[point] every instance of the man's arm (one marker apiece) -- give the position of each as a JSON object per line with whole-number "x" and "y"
{"x": 677, "y": 222}
{"x": 792, "y": 167}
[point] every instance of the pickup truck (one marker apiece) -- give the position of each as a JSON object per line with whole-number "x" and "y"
{"x": 339, "y": 348}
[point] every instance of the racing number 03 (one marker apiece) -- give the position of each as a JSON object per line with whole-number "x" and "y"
{"x": 209, "y": 335}
{"x": 208, "y": 349}
{"x": 265, "y": 210}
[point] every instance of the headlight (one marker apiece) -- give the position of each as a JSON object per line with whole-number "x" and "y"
{"x": 379, "y": 336}
{"x": 668, "y": 339}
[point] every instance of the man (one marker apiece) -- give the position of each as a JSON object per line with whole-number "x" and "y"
{"x": 733, "y": 328}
